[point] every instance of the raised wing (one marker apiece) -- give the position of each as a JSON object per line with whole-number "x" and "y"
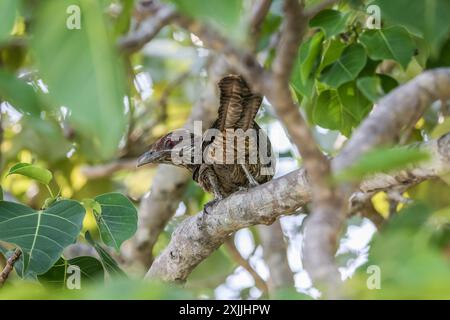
{"x": 238, "y": 105}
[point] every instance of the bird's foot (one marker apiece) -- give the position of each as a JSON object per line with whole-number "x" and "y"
{"x": 209, "y": 206}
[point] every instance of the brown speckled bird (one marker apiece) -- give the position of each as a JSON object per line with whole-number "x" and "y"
{"x": 237, "y": 110}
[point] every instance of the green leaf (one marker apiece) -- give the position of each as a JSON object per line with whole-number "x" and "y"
{"x": 332, "y": 52}
{"x": 109, "y": 264}
{"x": 41, "y": 235}
{"x": 44, "y": 138}
{"x": 370, "y": 87}
{"x": 91, "y": 270}
{"x": 375, "y": 87}
{"x": 392, "y": 43}
{"x": 346, "y": 68}
{"x": 118, "y": 219}
{"x": 332, "y": 22}
{"x": 92, "y": 204}
{"x": 383, "y": 160}
{"x": 428, "y": 18}
{"x": 20, "y": 95}
{"x": 8, "y": 12}
{"x": 93, "y": 85}
{"x": 341, "y": 109}
{"x": 32, "y": 171}
{"x": 302, "y": 79}
{"x": 226, "y": 15}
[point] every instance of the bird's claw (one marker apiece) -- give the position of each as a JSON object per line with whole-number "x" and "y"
{"x": 209, "y": 206}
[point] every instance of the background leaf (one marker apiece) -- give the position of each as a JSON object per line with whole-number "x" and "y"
{"x": 91, "y": 270}
{"x": 41, "y": 235}
{"x": 346, "y": 68}
{"x": 34, "y": 172}
{"x": 429, "y": 18}
{"x": 223, "y": 14}
{"x": 88, "y": 81}
{"x": 20, "y": 95}
{"x": 393, "y": 43}
{"x": 332, "y": 22}
{"x": 383, "y": 160}
{"x": 118, "y": 219}
{"x": 108, "y": 262}
{"x": 8, "y": 10}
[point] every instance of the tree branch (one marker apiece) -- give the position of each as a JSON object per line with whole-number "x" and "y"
{"x": 275, "y": 255}
{"x": 9, "y": 266}
{"x": 198, "y": 236}
{"x": 156, "y": 18}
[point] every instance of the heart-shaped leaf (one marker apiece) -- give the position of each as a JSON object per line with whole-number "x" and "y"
{"x": 330, "y": 21}
{"x": 346, "y": 68}
{"x": 108, "y": 262}
{"x": 90, "y": 270}
{"x": 393, "y": 43}
{"x": 118, "y": 219}
{"x": 41, "y": 235}
{"x": 32, "y": 171}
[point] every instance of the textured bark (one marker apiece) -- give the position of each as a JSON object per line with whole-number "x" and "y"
{"x": 9, "y": 266}
{"x": 198, "y": 236}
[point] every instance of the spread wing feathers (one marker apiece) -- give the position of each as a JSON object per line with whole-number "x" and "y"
{"x": 238, "y": 105}
{"x": 251, "y": 107}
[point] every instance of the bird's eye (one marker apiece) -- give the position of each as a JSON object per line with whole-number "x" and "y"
{"x": 169, "y": 144}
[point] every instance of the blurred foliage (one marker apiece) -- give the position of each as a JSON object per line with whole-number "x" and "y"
{"x": 69, "y": 101}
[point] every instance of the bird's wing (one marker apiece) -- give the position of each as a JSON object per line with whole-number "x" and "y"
{"x": 238, "y": 105}
{"x": 251, "y": 107}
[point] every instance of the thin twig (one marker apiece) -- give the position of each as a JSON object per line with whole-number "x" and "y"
{"x": 9, "y": 266}
{"x": 244, "y": 263}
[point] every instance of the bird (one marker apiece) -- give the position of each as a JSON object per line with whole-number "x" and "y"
{"x": 235, "y": 153}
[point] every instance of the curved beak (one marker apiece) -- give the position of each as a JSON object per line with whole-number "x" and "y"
{"x": 148, "y": 157}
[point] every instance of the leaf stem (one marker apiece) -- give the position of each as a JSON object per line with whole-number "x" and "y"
{"x": 50, "y": 191}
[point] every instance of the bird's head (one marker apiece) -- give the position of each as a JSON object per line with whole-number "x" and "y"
{"x": 173, "y": 144}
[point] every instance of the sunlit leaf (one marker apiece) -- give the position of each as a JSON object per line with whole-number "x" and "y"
{"x": 32, "y": 171}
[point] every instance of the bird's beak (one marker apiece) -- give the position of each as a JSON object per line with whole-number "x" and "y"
{"x": 148, "y": 157}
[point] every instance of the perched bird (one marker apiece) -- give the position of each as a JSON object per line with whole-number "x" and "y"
{"x": 235, "y": 153}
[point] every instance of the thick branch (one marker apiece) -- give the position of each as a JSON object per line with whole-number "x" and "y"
{"x": 198, "y": 236}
